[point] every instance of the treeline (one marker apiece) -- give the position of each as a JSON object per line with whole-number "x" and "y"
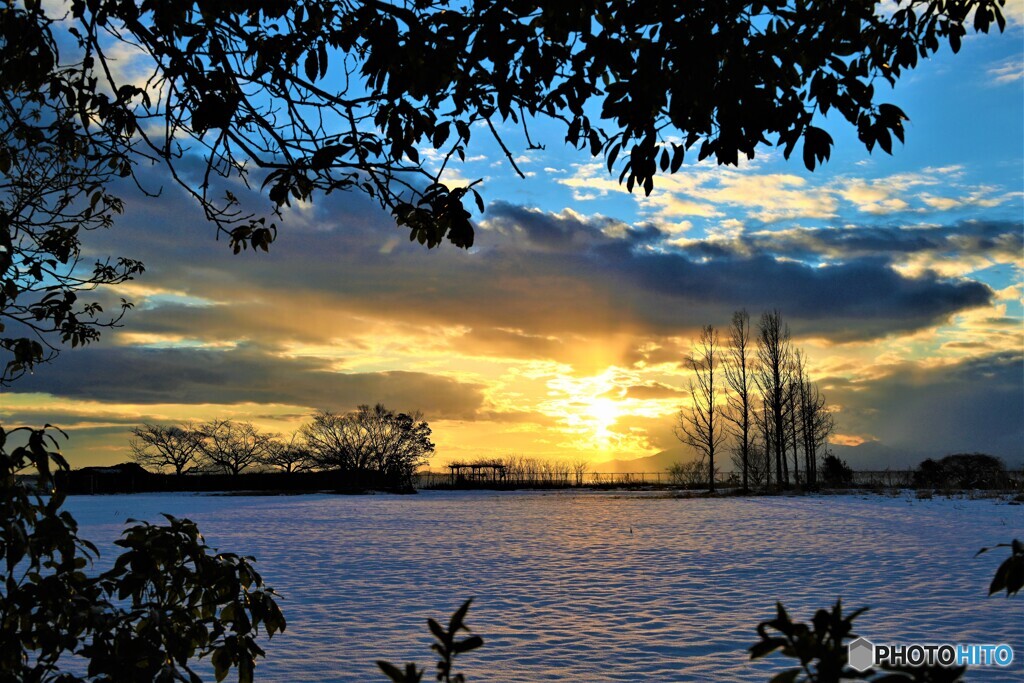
{"x": 774, "y": 422}
{"x": 373, "y": 440}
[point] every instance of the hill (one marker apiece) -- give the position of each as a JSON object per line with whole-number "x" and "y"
{"x": 658, "y": 462}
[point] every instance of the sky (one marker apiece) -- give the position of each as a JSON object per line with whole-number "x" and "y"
{"x": 563, "y": 332}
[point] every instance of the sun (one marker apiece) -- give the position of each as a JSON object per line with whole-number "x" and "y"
{"x": 602, "y": 413}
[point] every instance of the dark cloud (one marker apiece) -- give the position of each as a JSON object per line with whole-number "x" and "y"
{"x": 544, "y": 276}
{"x": 243, "y": 375}
{"x": 972, "y": 405}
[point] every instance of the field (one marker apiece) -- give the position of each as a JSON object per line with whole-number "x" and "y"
{"x": 596, "y": 586}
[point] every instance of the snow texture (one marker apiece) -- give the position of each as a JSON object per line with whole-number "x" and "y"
{"x": 596, "y": 586}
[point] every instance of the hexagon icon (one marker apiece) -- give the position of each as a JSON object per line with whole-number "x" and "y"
{"x": 861, "y": 654}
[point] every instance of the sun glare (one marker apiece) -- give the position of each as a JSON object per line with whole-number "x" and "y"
{"x": 604, "y": 412}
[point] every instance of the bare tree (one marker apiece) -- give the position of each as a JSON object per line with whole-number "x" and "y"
{"x": 817, "y": 424}
{"x": 288, "y": 456}
{"x": 233, "y": 447}
{"x": 688, "y": 474}
{"x": 739, "y": 379}
{"x": 579, "y": 470}
{"x": 701, "y": 426}
{"x": 772, "y": 378}
{"x": 369, "y": 439}
{"x": 159, "y": 446}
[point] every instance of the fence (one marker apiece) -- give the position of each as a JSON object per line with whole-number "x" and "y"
{"x": 442, "y": 480}
{"x": 891, "y": 478}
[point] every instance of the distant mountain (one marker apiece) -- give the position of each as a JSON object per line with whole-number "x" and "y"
{"x": 870, "y": 455}
{"x": 658, "y": 462}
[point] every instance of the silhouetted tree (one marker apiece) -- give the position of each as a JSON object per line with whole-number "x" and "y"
{"x": 232, "y": 447}
{"x": 579, "y": 470}
{"x": 369, "y": 439}
{"x": 817, "y": 424}
{"x": 793, "y": 396}
{"x": 701, "y": 425}
{"x": 773, "y": 377}
{"x": 158, "y": 446}
{"x": 54, "y": 179}
{"x": 287, "y": 456}
{"x": 739, "y": 379}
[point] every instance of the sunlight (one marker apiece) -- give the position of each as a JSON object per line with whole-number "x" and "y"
{"x": 604, "y": 412}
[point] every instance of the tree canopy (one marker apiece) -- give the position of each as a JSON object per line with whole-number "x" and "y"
{"x": 319, "y": 96}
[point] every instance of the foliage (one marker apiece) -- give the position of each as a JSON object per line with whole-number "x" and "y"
{"x": 1010, "y": 574}
{"x": 835, "y": 471}
{"x": 961, "y": 471}
{"x": 821, "y": 650}
{"x": 447, "y": 647}
{"x": 159, "y": 446}
{"x": 168, "y": 599}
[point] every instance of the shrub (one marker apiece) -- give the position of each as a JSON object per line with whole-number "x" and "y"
{"x": 168, "y": 599}
{"x": 835, "y": 471}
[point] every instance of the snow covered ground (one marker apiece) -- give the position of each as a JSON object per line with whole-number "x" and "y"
{"x": 596, "y": 586}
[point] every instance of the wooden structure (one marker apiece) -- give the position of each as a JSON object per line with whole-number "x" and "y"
{"x": 477, "y": 472}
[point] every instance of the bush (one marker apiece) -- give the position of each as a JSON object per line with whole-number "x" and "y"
{"x": 168, "y": 600}
{"x": 835, "y": 471}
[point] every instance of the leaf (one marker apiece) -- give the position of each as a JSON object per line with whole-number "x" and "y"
{"x": 470, "y": 643}
{"x": 456, "y": 623}
{"x": 766, "y": 646}
{"x": 311, "y": 66}
{"x": 817, "y": 146}
{"x": 397, "y": 675}
{"x": 787, "y": 676}
{"x": 435, "y": 627}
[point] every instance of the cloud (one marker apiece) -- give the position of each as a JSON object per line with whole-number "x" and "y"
{"x": 1009, "y": 70}
{"x": 246, "y": 374}
{"x": 711, "y": 192}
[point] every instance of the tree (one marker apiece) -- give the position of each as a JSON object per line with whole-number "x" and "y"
{"x": 962, "y": 471}
{"x": 701, "y": 426}
{"x": 288, "y": 457}
{"x": 370, "y": 439}
{"x": 817, "y": 425}
{"x": 739, "y": 379}
{"x": 773, "y": 377}
{"x": 835, "y": 471}
{"x": 232, "y": 447}
{"x": 327, "y": 95}
{"x": 159, "y": 446}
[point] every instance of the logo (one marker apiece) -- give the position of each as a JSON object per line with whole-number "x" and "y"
{"x": 862, "y": 654}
